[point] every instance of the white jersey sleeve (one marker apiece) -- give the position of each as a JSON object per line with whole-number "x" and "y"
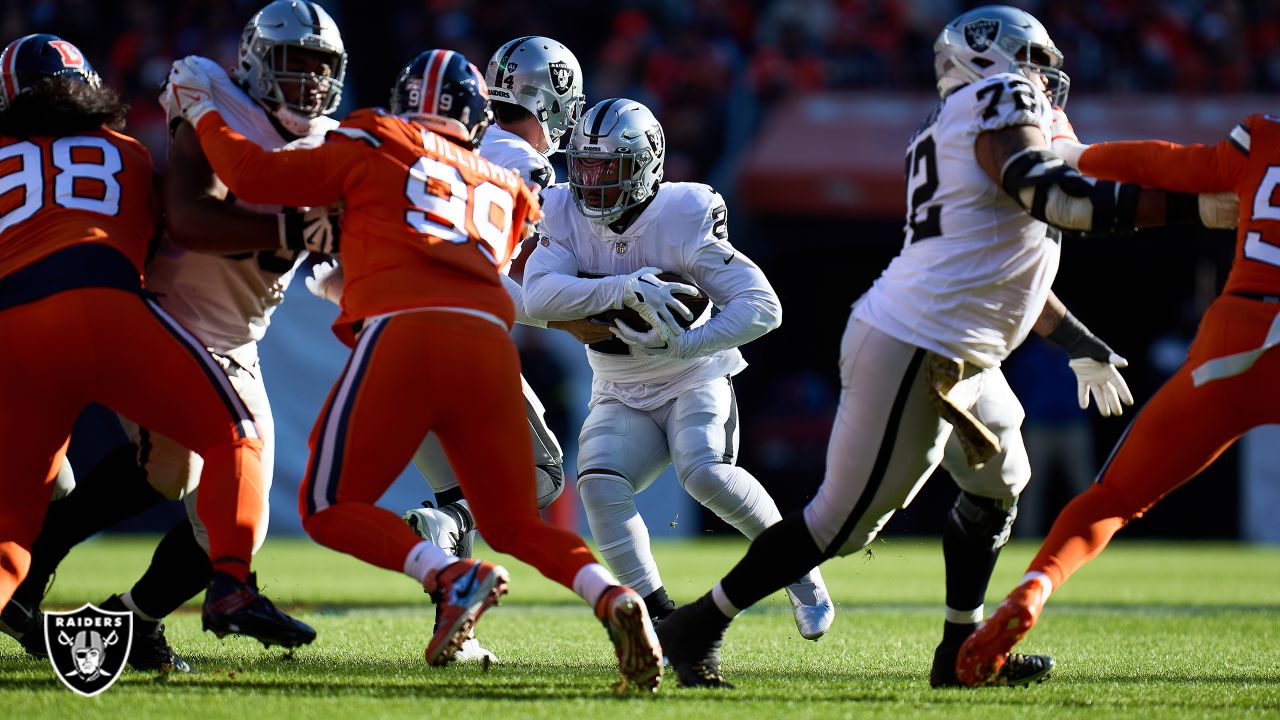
{"x": 508, "y": 150}
{"x": 1008, "y": 100}
{"x": 553, "y": 289}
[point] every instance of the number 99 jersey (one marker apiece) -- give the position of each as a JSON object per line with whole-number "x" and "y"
{"x": 56, "y": 192}
{"x": 976, "y": 268}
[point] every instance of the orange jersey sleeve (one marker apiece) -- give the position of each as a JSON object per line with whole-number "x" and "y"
{"x": 56, "y": 192}
{"x": 1156, "y": 163}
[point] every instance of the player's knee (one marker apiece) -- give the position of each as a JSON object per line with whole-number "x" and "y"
{"x": 550, "y": 482}
{"x": 604, "y": 490}
{"x": 982, "y": 520}
{"x": 1118, "y": 501}
{"x": 706, "y": 482}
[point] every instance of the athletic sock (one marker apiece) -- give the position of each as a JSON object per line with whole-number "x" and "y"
{"x": 591, "y": 581}
{"x": 179, "y": 571}
{"x": 659, "y": 604}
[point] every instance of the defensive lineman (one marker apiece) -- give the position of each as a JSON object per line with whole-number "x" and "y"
{"x": 665, "y": 396}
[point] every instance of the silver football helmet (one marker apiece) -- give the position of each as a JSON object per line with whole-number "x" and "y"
{"x": 290, "y": 25}
{"x": 615, "y": 159}
{"x": 543, "y": 77}
{"x": 996, "y": 39}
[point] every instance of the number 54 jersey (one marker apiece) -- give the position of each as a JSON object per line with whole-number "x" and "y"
{"x": 976, "y": 268}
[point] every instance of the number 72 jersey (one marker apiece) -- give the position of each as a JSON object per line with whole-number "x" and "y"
{"x": 975, "y": 267}
{"x": 55, "y": 192}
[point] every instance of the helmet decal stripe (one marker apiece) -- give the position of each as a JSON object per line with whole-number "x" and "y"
{"x": 502, "y": 64}
{"x": 10, "y": 77}
{"x": 313, "y": 18}
{"x": 435, "y": 76}
{"x": 599, "y": 119}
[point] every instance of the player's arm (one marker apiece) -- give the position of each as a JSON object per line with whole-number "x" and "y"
{"x": 1095, "y": 364}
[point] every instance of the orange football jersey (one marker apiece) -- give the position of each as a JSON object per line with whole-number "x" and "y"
{"x": 56, "y": 192}
{"x": 1233, "y": 165}
{"x": 426, "y": 223}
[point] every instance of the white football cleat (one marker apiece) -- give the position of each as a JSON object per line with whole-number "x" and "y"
{"x": 811, "y": 605}
{"x": 473, "y": 651}
{"x": 434, "y": 526}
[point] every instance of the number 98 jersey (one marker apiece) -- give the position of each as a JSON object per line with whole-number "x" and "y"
{"x": 975, "y": 268}
{"x": 55, "y": 192}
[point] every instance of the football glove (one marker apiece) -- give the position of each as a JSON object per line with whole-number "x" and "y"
{"x": 191, "y": 89}
{"x": 653, "y": 299}
{"x": 314, "y": 229}
{"x": 1102, "y": 380}
{"x": 650, "y": 342}
{"x": 327, "y": 281}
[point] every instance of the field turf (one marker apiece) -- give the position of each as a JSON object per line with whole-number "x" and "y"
{"x": 1148, "y": 631}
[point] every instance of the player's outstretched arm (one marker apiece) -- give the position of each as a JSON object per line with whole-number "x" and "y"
{"x": 1096, "y": 365}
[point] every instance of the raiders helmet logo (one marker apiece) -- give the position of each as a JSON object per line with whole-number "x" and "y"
{"x": 561, "y": 77}
{"x": 88, "y": 647}
{"x": 980, "y": 34}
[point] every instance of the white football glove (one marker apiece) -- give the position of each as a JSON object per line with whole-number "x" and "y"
{"x": 649, "y": 342}
{"x": 314, "y": 229}
{"x": 653, "y": 299}
{"x": 1063, "y": 140}
{"x": 191, "y": 89}
{"x": 1219, "y": 210}
{"x": 327, "y": 281}
{"x": 1102, "y": 380}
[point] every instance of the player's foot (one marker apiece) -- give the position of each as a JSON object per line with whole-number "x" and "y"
{"x": 235, "y": 608}
{"x": 1018, "y": 669}
{"x": 462, "y": 591}
{"x": 691, "y": 637}
{"x": 149, "y": 651}
{"x": 985, "y": 653}
{"x": 26, "y": 625}
{"x": 811, "y": 605}
{"x": 435, "y": 526}
{"x": 624, "y": 615}
{"x": 472, "y": 651}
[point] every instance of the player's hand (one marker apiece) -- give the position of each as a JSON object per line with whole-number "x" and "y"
{"x": 1219, "y": 210}
{"x": 327, "y": 281}
{"x": 653, "y": 299}
{"x": 1102, "y": 380}
{"x": 314, "y": 229}
{"x": 1063, "y": 140}
{"x": 584, "y": 331}
{"x": 191, "y": 89}
{"x": 649, "y": 342}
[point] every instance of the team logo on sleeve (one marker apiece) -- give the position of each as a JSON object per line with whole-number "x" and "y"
{"x": 88, "y": 647}
{"x": 561, "y": 76}
{"x": 981, "y": 33}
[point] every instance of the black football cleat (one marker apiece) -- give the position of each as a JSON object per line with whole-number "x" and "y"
{"x": 1018, "y": 669}
{"x": 150, "y": 650}
{"x": 691, "y": 637}
{"x": 26, "y": 625}
{"x": 235, "y": 608}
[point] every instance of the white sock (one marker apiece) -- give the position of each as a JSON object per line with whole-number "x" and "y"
{"x": 591, "y": 582}
{"x": 127, "y": 599}
{"x": 722, "y": 602}
{"x": 965, "y": 617}
{"x": 1040, "y": 577}
{"x": 425, "y": 557}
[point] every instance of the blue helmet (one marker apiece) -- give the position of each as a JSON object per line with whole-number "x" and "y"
{"x": 31, "y": 58}
{"x": 444, "y": 92}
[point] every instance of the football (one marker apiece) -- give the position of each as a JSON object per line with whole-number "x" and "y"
{"x": 697, "y": 304}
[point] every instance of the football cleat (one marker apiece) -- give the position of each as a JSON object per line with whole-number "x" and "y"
{"x": 235, "y": 608}
{"x": 150, "y": 650}
{"x": 811, "y": 605}
{"x": 462, "y": 591}
{"x": 635, "y": 642}
{"x": 472, "y": 651}
{"x": 691, "y": 637}
{"x": 26, "y": 625}
{"x": 984, "y": 654}
{"x": 440, "y": 529}
{"x": 1018, "y": 669}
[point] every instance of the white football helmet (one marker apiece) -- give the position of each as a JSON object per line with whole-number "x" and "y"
{"x": 997, "y": 39}
{"x": 543, "y": 77}
{"x": 617, "y": 144}
{"x": 264, "y": 51}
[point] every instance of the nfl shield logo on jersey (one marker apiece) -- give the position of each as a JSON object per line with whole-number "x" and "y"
{"x": 561, "y": 76}
{"x": 981, "y": 33}
{"x": 88, "y": 647}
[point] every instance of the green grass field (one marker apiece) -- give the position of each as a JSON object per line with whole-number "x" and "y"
{"x": 1147, "y": 630}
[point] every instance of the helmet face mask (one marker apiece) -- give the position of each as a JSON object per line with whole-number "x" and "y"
{"x": 446, "y": 94}
{"x": 292, "y": 57}
{"x": 616, "y": 156}
{"x": 997, "y": 39}
{"x": 543, "y": 77}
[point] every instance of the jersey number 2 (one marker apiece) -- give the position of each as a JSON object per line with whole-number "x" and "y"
{"x": 442, "y": 199}
{"x": 101, "y": 194}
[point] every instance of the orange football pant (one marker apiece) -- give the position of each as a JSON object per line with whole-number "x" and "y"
{"x": 445, "y": 372}
{"x": 1179, "y": 432}
{"x": 113, "y": 347}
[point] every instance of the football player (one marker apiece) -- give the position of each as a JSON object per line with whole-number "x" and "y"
{"x": 221, "y": 272}
{"x": 428, "y": 223}
{"x": 664, "y": 396}
{"x": 1228, "y": 382}
{"x": 921, "y": 353}
{"x": 71, "y": 260}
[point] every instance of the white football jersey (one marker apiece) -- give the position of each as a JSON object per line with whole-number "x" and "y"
{"x": 684, "y": 230}
{"x": 976, "y": 268}
{"x": 508, "y": 150}
{"x": 227, "y": 300}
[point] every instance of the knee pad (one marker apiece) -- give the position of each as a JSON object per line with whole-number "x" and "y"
{"x": 601, "y": 490}
{"x": 549, "y": 483}
{"x": 982, "y": 520}
{"x": 705, "y": 482}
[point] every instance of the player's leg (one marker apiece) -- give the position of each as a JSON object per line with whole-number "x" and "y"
{"x": 548, "y": 458}
{"x": 621, "y": 451}
{"x": 886, "y": 441}
{"x": 702, "y": 429}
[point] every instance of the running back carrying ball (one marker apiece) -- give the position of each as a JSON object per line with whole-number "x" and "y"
{"x": 697, "y": 305}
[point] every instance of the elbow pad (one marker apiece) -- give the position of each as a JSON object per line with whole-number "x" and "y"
{"x": 1055, "y": 193}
